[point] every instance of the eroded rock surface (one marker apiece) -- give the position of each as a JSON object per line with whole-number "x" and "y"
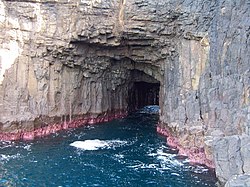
{"x": 63, "y": 63}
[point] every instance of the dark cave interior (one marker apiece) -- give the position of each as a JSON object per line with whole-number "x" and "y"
{"x": 143, "y": 90}
{"x": 143, "y": 94}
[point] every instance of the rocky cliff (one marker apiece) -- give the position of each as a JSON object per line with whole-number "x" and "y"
{"x": 69, "y": 62}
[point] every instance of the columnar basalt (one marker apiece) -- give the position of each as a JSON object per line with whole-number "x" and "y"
{"x": 67, "y": 63}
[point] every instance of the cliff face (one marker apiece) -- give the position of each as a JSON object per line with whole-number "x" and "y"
{"x": 84, "y": 60}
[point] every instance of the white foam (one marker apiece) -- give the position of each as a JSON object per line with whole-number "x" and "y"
{"x": 200, "y": 169}
{"x": 165, "y": 159}
{"x": 119, "y": 156}
{"x": 27, "y": 147}
{"x": 176, "y": 174}
{"x": 8, "y": 157}
{"x": 92, "y": 145}
{"x": 89, "y": 144}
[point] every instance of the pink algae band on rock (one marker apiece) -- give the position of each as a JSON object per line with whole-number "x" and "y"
{"x": 195, "y": 155}
{"x": 52, "y": 128}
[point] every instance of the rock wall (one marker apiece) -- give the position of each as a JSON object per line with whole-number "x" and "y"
{"x": 71, "y": 62}
{"x": 207, "y": 100}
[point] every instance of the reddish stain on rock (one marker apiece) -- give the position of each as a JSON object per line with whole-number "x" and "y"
{"x": 195, "y": 155}
{"x": 52, "y": 128}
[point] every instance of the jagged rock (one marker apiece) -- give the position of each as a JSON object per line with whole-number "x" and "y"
{"x": 68, "y": 62}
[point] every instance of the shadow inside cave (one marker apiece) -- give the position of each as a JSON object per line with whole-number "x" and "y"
{"x": 143, "y": 91}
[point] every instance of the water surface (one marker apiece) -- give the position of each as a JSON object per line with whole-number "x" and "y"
{"x": 124, "y": 152}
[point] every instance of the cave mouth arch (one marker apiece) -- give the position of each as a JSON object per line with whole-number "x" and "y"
{"x": 143, "y": 90}
{"x": 138, "y": 84}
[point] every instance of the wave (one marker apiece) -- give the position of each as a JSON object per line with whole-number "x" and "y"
{"x": 92, "y": 145}
{"x": 167, "y": 160}
{"x": 4, "y": 157}
{"x": 151, "y": 109}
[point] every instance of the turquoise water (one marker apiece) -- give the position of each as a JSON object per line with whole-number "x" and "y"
{"x": 124, "y": 152}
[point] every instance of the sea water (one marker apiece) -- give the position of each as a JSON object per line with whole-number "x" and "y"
{"x": 123, "y": 152}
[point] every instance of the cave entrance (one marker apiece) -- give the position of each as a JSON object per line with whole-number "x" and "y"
{"x": 144, "y": 91}
{"x": 143, "y": 94}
